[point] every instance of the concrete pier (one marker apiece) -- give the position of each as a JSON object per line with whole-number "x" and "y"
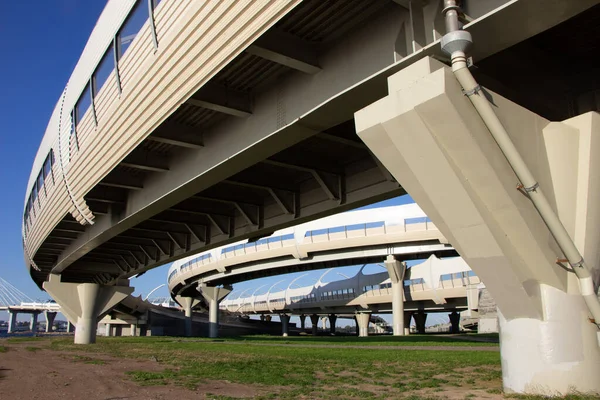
{"x": 50, "y": 316}
{"x": 363, "y": 320}
{"x": 213, "y": 296}
{"x": 285, "y": 323}
{"x": 396, "y": 270}
{"x": 85, "y": 302}
{"x": 332, "y": 321}
{"x": 314, "y": 320}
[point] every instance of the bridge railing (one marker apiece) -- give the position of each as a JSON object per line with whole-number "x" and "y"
{"x": 447, "y": 281}
{"x": 314, "y": 236}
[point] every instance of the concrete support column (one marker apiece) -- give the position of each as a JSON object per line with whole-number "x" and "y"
{"x": 213, "y": 296}
{"x": 12, "y": 321}
{"x": 407, "y": 318}
{"x": 108, "y": 332}
{"x": 268, "y": 318}
{"x": 70, "y": 327}
{"x": 50, "y": 316}
{"x": 454, "y": 321}
{"x": 87, "y": 322}
{"x": 133, "y": 330}
{"x": 420, "y": 319}
{"x": 324, "y": 323}
{"x": 188, "y": 304}
{"x": 547, "y": 343}
{"x": 33, "y": 323}
{"x": 357, "y": 329}
{"x": 314, "y": 320}
{"x": 84, "y": 303}
{"x": 396, "y": 270}
{"x": 553, "y": 355}
{"x": 302, "y": 322}
{"x": 332, "y": 320}
{"x": 363, "y": 324}
{"x": 285, "y": 324}
{"x": 262, "y": 317}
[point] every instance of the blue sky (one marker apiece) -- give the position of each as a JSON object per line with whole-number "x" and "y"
{"x": 42, "y": 42}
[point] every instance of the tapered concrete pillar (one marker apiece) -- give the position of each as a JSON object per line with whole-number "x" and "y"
{"x": 12, "y": 321}
{"x": 85, "y": 303}
{"x": 285, "y": 324}
{"x": 108, "y": 331}
{"x": 302, "y": 322}
{"x": 396, "y": 271}
{"x": 213, "y": 296}
{"x": 363, "y": 324}
{"x": 324, "y": 323}
{"x": 356, "y": 327}
{"x": 433, "y": 141}
{"x": 454, "y": 322}
{"x": 33, "y": 322}
{"x": 420, "y": 319}
{"x": 133, "y": 330}
{"x": 268, "y": 318}
{"x": 407, "y": 318}
{"x": 188, "y": 304}
{"x": 50, "y": 316}
{"x": 314, "y": 320}
{"x": 332, "y": 321}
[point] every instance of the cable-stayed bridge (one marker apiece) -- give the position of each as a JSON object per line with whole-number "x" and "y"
{"x": 16, "y": 302}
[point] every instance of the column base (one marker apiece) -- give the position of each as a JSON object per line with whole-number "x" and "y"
{"x": 554, "y": 356}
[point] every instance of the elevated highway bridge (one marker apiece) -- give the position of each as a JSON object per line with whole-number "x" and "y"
{"x": 432, "y": 286}
{"x": 186, "y": 126}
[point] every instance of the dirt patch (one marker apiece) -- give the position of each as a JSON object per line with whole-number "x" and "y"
{"x": 47, "y": 374}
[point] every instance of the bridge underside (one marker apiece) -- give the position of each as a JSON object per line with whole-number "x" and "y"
{"x": 178, "y": 192}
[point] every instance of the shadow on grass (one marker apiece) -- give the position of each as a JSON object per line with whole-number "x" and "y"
{"x": 423, "y": 339}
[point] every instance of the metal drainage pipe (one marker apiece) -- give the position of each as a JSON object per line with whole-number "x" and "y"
{"x": 456, "y": 42}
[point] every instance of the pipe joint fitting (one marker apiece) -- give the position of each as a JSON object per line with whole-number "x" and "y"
{"x": 456, "y": 41}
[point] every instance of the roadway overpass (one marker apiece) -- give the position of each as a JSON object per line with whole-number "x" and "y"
{"x": 432, "y": 286}
{"x": 190, "y": 125}
{"x": 385, "y": 234}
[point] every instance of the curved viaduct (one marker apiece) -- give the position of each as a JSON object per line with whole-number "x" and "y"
{"x": 190, "y": 125}
{"x": 432, "y": 286}
{"x": 350, "y": 238}
{"x": 386, "y": 234}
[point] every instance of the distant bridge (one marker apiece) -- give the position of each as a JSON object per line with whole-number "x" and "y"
{"x": 432, "y": 286}
{"x": 16, "y": 302}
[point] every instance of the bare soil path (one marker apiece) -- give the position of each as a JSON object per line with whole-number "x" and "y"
{"x": 27, "y": 371}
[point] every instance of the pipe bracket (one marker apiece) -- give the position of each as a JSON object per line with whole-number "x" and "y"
{"x": 529, "y": 189}
{"x": 473, "y": 91}
{"x": 578, "y": 264}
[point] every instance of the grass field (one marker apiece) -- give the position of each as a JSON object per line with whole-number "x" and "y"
{"x": 337, "y": 371}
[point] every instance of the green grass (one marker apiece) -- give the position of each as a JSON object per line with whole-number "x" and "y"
{"x": 3, "y": 349}
{"x": 338, "y": 372}
{"x": 32, "y": 348}
{"x": 25, "y": 339}
{"x": 411, "y": 340}
{"x": 287, "y": 372}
